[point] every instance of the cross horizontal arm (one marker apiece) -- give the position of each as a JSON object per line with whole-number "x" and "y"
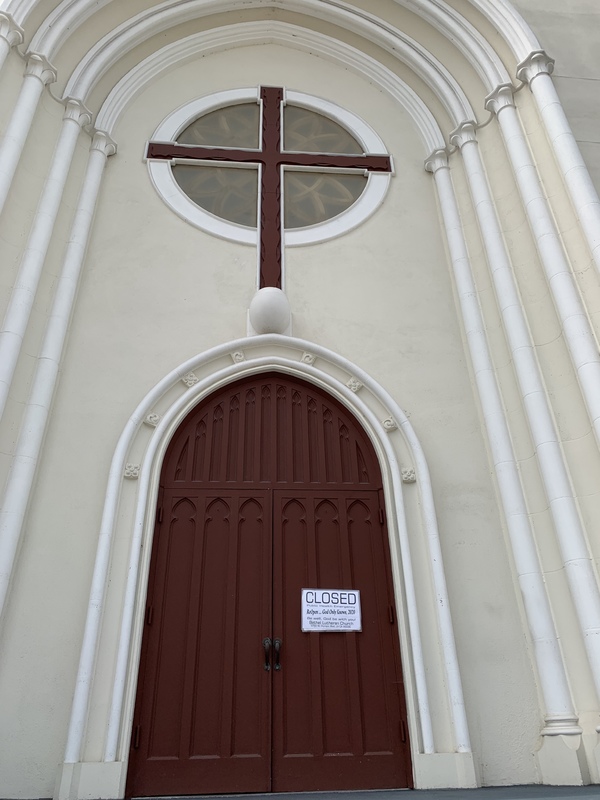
{"x": 168, "y": 150}
{"x": 339, "y": 161}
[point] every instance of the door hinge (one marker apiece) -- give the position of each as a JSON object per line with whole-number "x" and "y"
{"x": 136, "y": 736}
{"x": 149, "y": 615}
{"x": 402, "y": 730}
{"x": 381, "y": 516}
{"x": 391, "y": 614}
{"x": 160, "y": 515}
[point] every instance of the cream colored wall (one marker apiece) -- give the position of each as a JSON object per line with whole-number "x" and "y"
{"x": 570, "y": 33}
{"x": 154, "y": 292}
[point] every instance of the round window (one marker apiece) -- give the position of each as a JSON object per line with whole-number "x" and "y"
{"x": 222, "y": 150}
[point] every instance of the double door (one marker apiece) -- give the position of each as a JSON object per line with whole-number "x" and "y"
{"x": 220, "y": 708}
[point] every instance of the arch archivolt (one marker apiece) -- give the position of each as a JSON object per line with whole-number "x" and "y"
{"x": 434, "y": 696}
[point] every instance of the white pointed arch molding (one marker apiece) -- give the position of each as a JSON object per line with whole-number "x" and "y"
{"x": 127, "y": 527}
{"x": 63, "y": 21}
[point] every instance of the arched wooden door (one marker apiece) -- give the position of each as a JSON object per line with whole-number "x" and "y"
{"x": 269, "y": 486}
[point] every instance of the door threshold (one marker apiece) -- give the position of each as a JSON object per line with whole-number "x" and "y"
{"x": 335, "y": 794}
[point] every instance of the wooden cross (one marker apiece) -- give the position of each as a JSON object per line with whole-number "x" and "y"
{"x": 271, "y": 157}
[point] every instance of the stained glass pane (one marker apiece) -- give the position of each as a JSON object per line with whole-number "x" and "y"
{"x": 233, "y": 126}
{"x": 231, "y": 193}
{"x": 308, "y": 132}
{"x": 312, "y": 197}
{"x": 227, "y": 192}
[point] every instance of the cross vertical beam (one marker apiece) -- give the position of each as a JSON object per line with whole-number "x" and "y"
{"x": 270, "y": 190}
{"x": 270, "y": 159}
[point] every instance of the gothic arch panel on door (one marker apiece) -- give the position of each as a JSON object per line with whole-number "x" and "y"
{"x": 268, "y": 486}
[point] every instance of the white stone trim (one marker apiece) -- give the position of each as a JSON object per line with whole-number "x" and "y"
{"x": 510, "y": 25}
{"x": 536, "y": 70}
{"x": 559, "y": 711}
{"x": 63, "y": 21}
{"x": 582, "y": 347}
{"x": 250, "y": 33}
{"x": 35, "y": 416}
{"x": 289, "y": 355}
{"x": 454, "y": 26}
{"x": 11, "y": 35}
{"x": 112, "y": 47}
{"x": 172, "y": 194}
{"x": 23, "y": 294}
{"x": 18, "y": 127}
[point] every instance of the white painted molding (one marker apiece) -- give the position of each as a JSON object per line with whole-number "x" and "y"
{"x": 578, "y": 333}
{"x": 11, "y": 35}
{"x": 23, "y": 294}
{"x": 559, "y": 712}
{"x": 537, "y": 63}
{"x": 563, "y": 507}
{"x": 39, "y": 67}
{"x": 501, "y": 97}
{"x": 10, "y": 31}
{"x": 249, "y": 33}
{"x": 510, "y": 25}
{"x": 38, "y": 72}
{"x": 178, "y": 201}
{"x": 112, "y": 47}
{"x": 255, "y": 361}
{"x": 437, "y": 160}
{"x": 536, "y": 70}
{"x": 35, "y": 416}
{"x": 455, "y": 27}
{"x": 64, "y": 20}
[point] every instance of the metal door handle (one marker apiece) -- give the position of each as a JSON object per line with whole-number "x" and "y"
{"x": 277, "y": 645}
{"x": 267, "y": 646}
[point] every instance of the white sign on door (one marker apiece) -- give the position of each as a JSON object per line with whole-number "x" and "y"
{"x": 331, "y": 610}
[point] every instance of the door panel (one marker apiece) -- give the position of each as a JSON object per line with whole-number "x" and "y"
{"x": 268, "y": 486}
{"x": 203, "y": 705}
{"x": 337, "y": 702}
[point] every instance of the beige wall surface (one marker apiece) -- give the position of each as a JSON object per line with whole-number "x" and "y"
{"x": 570, "y": 33}
{"x": 156, "y": 291}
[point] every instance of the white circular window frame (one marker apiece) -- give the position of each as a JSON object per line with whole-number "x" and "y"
{"x": 170, "y": 191}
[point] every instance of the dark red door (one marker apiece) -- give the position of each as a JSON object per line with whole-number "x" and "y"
{"x": 268, "y": 487}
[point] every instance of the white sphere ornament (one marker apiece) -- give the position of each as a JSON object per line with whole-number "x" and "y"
{"x": 270, "y": 311}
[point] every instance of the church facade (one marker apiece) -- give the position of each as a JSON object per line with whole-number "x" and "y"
{"x": 299, "y": 396}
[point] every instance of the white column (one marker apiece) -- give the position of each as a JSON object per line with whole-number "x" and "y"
{"x": 33, "y": 426}
{"x": 32, "y": 262}
{"x": 11, "y": 35}
{"x": 38, "y": 73}
{"x": 578, "y": 564}
{"x": 560, "y": 716}
{"x": 579, "y": 337}
{"x": 536, "y": 70}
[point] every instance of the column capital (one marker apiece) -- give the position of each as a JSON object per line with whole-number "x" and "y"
{"x": 39, "y": 66}
{"x": 465, "y": 132}
{"x": 538, "y": 62}
{"x": 102, "y": 142}
{"x": 9, "y": 29}
{"x": 75, "y": 110}
{"x": 500, "y": 98}
{"x": 437, "y": 160}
